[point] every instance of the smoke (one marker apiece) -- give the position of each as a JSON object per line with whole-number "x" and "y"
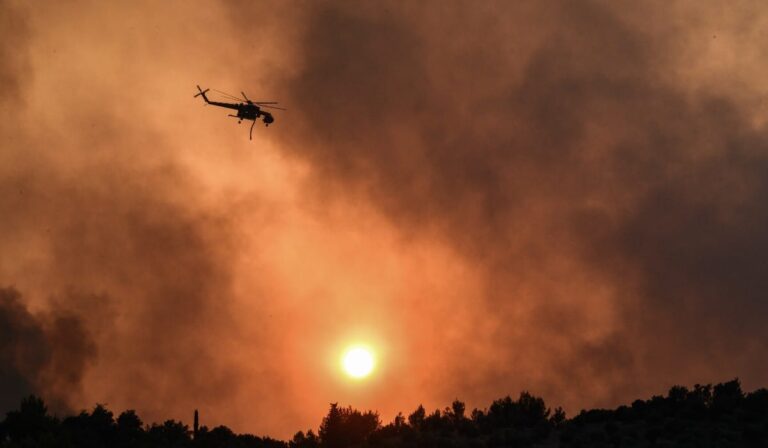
{"x": 23, "y": 348}
{"x": 614, "y": 211}
{"x": 41, "y": 353}
{"x": 559, "y": 197}
{"x": 123, "y": 259}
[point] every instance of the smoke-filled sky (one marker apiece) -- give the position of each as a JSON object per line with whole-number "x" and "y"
{"x": 562, "y": 197}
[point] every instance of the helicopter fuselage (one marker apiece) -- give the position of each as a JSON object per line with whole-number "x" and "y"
{"x": 245, "y": 111}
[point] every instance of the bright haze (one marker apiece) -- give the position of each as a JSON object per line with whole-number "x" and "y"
{"x": 562, "y": 197}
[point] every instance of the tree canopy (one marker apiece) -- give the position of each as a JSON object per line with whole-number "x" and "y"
{"x": 704, "y": 416}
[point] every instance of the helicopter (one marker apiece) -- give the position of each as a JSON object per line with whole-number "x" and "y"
{"x": 248, "y": 110}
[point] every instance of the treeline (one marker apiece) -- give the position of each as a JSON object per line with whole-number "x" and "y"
{"x": 705, "y": 416}
{"x": 32, "y": 427}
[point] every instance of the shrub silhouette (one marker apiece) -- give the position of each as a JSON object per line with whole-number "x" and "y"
{"x": 300, "y": 440}
{"x": 30, "y": 425}
{"x": 703, "y": 416}
{"x": 346, "y": 427}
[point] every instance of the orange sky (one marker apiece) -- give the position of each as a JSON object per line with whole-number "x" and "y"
{"x": 562, "y": 198}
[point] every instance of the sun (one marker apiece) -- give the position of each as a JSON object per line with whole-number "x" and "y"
{"x": 358, "y": 362}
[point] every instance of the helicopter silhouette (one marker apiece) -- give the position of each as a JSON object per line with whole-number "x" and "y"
{"x": 248, "y": 110}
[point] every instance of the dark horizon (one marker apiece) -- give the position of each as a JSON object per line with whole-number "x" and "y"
{"x": 705, "y": 415}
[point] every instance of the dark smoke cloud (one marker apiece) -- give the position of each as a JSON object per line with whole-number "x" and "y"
{"x": 23, "y": 349}
{"x": 554, "y": 147}
{"x": 40, "y": 354}
{"x": 147, "y": 276}
{"x": 124, "y": 274}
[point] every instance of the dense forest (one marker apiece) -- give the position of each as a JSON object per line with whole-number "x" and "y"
{"x": 705, "y": 416}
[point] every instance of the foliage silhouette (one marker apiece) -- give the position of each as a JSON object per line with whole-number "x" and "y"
{"x": 347, "y": 427}
{"x": 704, "y": 416}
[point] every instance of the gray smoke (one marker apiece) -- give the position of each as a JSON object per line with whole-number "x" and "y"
{"x": 554, "y": 146}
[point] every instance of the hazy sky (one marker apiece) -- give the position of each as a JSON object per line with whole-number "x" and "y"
{"x": 561, "y": 197}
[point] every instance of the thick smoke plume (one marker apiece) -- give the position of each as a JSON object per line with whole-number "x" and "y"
{"x": 121, "y": 265}
{"x": 564, "y": 197}
{"x": 40, "y": 353}
{"x": 612, "y": 206}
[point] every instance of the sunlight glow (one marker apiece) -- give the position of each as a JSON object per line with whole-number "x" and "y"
{"x": 358, "y": 362}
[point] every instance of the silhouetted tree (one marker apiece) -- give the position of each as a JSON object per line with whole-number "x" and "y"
{"x": 331, "y": 429}
{"x": 218, "y": 437}
{"x": 528, "y": 411}
{"x": 102, "y": 424}
{"x": 171, "y": 434}
{"x": 300, "y": 440}
{"x": 705, "y": 416}
{"x": 91, "y": 430}
{"x": 455, "y": 414}
{"x": 399, "y": 420}
{"x": 416, "y": 419}
{"x": 30, "y": 425}
{"x": 756, "y": 403}
{"x": 701, "y": 395}
{"x": 130, "y": 429}
{"x": 434, "y": 422}
{"x": 558, "y": 417}
{"x": 346, "y": 427}
{"x": 532, "y": 410}
{"x": 677, "y": 394}
{"x": 727, "y": 396}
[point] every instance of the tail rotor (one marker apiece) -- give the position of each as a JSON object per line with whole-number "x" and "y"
{"x": 201, "y": 92}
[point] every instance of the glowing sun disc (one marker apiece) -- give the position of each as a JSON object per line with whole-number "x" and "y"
{"x": 358, "y": 362}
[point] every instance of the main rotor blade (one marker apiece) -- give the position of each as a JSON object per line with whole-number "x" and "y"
{"x": 273, "y": 107}
{"x": 240, "y": 99}
{"x": 233, "y": 97}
